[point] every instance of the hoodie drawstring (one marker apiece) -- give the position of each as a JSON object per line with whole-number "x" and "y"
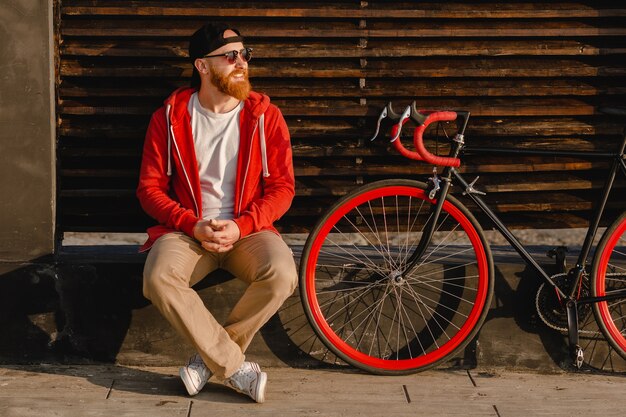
{"x": 169, "y": 140}
{"x": 266, "y": 172}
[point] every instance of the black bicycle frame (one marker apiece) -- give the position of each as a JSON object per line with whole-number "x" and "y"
{"x": 619, "y": 163}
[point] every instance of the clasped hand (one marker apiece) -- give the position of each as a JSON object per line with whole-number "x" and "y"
{"x": 216, "y": 235}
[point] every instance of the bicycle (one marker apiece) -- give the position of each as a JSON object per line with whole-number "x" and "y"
{"x": 397, "y": 276}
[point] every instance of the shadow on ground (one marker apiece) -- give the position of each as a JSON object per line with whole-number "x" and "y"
{"x": 76, "y": 314}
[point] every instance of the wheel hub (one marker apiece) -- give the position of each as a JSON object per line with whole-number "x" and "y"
{"x": 396, "y": 278}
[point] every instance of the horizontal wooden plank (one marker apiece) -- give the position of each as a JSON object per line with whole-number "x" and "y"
{"x": 499, "y": 183}
{"x": 350, "y": 28}
{"x": 370, "y": 9}
{"x": 501, "y": 203}
{"x": 541, "y": 132}
{"x": 500, "y": 67}
{"x": 400, "y": 68}
{"x": 102, "y": 149}
{"x": 303, "y": 224}
{"x": 100, "y": 173}
{"x": 392, "y": 47}
{"x": 355, "y": 48}
{"x": 315, "y": 167}
{"x": 149, "y": 90}
{"x": 372, "y": 88}
{"x": 339, "y": 107}
{"x": 484, "y": 32}
{"x": 309, "y": 206}
{"x": 485, "y": 107}
{"x": 445, "y": 87}
{"x": 539, "y": 127}
{"x": 470, "y": 167}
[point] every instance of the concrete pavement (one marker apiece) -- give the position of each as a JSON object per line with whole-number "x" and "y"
{"x": 99, "y": 390}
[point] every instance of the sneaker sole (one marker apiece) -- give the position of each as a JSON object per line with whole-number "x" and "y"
{"x": 189, "y": 386}
{"x": 260, "y": 387}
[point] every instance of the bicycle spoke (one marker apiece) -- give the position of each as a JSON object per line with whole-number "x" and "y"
{"x": 378, "y": 328}
{"x": 421, "y": 231}
{"x": 375, "y": 230}
{"x": 448, "y": 293}
{"x": 353, "y": 257}
{"x": 448, "y": 283}
{"x": 396, "y": 312}
{"x": 415, "y": 297}
{"x": 331, "y": 318}
{"x": 470, "y": 249}
{"x": 400, "y": 323}
{"x": 616, "y": 267}
{"x": 414, "y": 275}
{"x": 350, "y": 261}
{"x": 421, "y": 296}
{"x": 408, "y": 318}
{"x": 364, "y": 289}
{"x": 365, "y": 330}
{"x": 362, "y": 235}
{"x": 439, "y": 244}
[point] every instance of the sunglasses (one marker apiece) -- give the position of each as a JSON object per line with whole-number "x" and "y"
{"x": 231, "y": 56}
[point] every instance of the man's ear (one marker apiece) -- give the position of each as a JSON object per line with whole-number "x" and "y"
{"x": 201, "y": 66}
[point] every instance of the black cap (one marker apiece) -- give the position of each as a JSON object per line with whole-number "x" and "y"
{"x": 209, "y": 38}
{"x": 206, "y": 40}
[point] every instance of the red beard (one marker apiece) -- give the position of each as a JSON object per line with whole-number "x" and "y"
{"x": 224, "y": 83}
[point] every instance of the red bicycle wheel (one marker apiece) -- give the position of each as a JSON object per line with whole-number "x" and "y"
{"x": 365, "y": 305}
{"x": 609, "y": 275}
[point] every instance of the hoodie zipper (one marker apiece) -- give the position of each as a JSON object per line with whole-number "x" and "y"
{"x": 245, "y": 175}
{"x": 266, "y": 171}
{"x": 182, "y": 165}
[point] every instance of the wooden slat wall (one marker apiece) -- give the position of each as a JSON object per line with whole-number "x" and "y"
{"x": 533, "y": 74}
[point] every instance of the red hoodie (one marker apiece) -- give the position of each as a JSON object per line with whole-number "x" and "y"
{"x": 169, "y": 183}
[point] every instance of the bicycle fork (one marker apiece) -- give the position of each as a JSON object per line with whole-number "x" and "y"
{"x": 440, "y": 186}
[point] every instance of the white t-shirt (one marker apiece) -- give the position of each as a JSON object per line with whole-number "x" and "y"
{"x": 216, "y": 139}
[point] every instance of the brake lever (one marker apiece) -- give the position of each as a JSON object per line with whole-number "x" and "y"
{"x": 417, "y": 117}
{"x": 392, "y": 114}
{"x": 405, "y": 115}
{"x": 382, "y": 115}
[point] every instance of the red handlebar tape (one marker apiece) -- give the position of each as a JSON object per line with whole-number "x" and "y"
{"x": 422, "y": 153}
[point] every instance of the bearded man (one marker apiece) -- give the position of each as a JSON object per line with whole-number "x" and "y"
{"x": 216, "y": 173}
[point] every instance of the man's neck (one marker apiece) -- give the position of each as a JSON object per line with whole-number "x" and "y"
{"x": 215, "y": 101}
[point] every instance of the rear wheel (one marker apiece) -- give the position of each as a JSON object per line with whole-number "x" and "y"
{"x": 365, "y": 305}
{"x": 609, "y": 276}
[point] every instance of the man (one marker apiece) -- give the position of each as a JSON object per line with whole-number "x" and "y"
{"x": 216, "y": 173}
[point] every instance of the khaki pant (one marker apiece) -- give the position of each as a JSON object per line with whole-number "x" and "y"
{"x": 176, "y": 262}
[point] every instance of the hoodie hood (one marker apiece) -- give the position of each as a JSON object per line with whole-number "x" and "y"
{"x": 255, "y": 105}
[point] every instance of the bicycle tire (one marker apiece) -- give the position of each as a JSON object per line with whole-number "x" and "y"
{"x": 361, "y": 307}
{"x": 609, "y": 273}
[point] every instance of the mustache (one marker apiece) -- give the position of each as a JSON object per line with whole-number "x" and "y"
{"x": 238, "y": 72}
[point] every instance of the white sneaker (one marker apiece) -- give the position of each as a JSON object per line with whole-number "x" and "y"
{"x": 249, "y": 380}
{"x": 194, "y": 375}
